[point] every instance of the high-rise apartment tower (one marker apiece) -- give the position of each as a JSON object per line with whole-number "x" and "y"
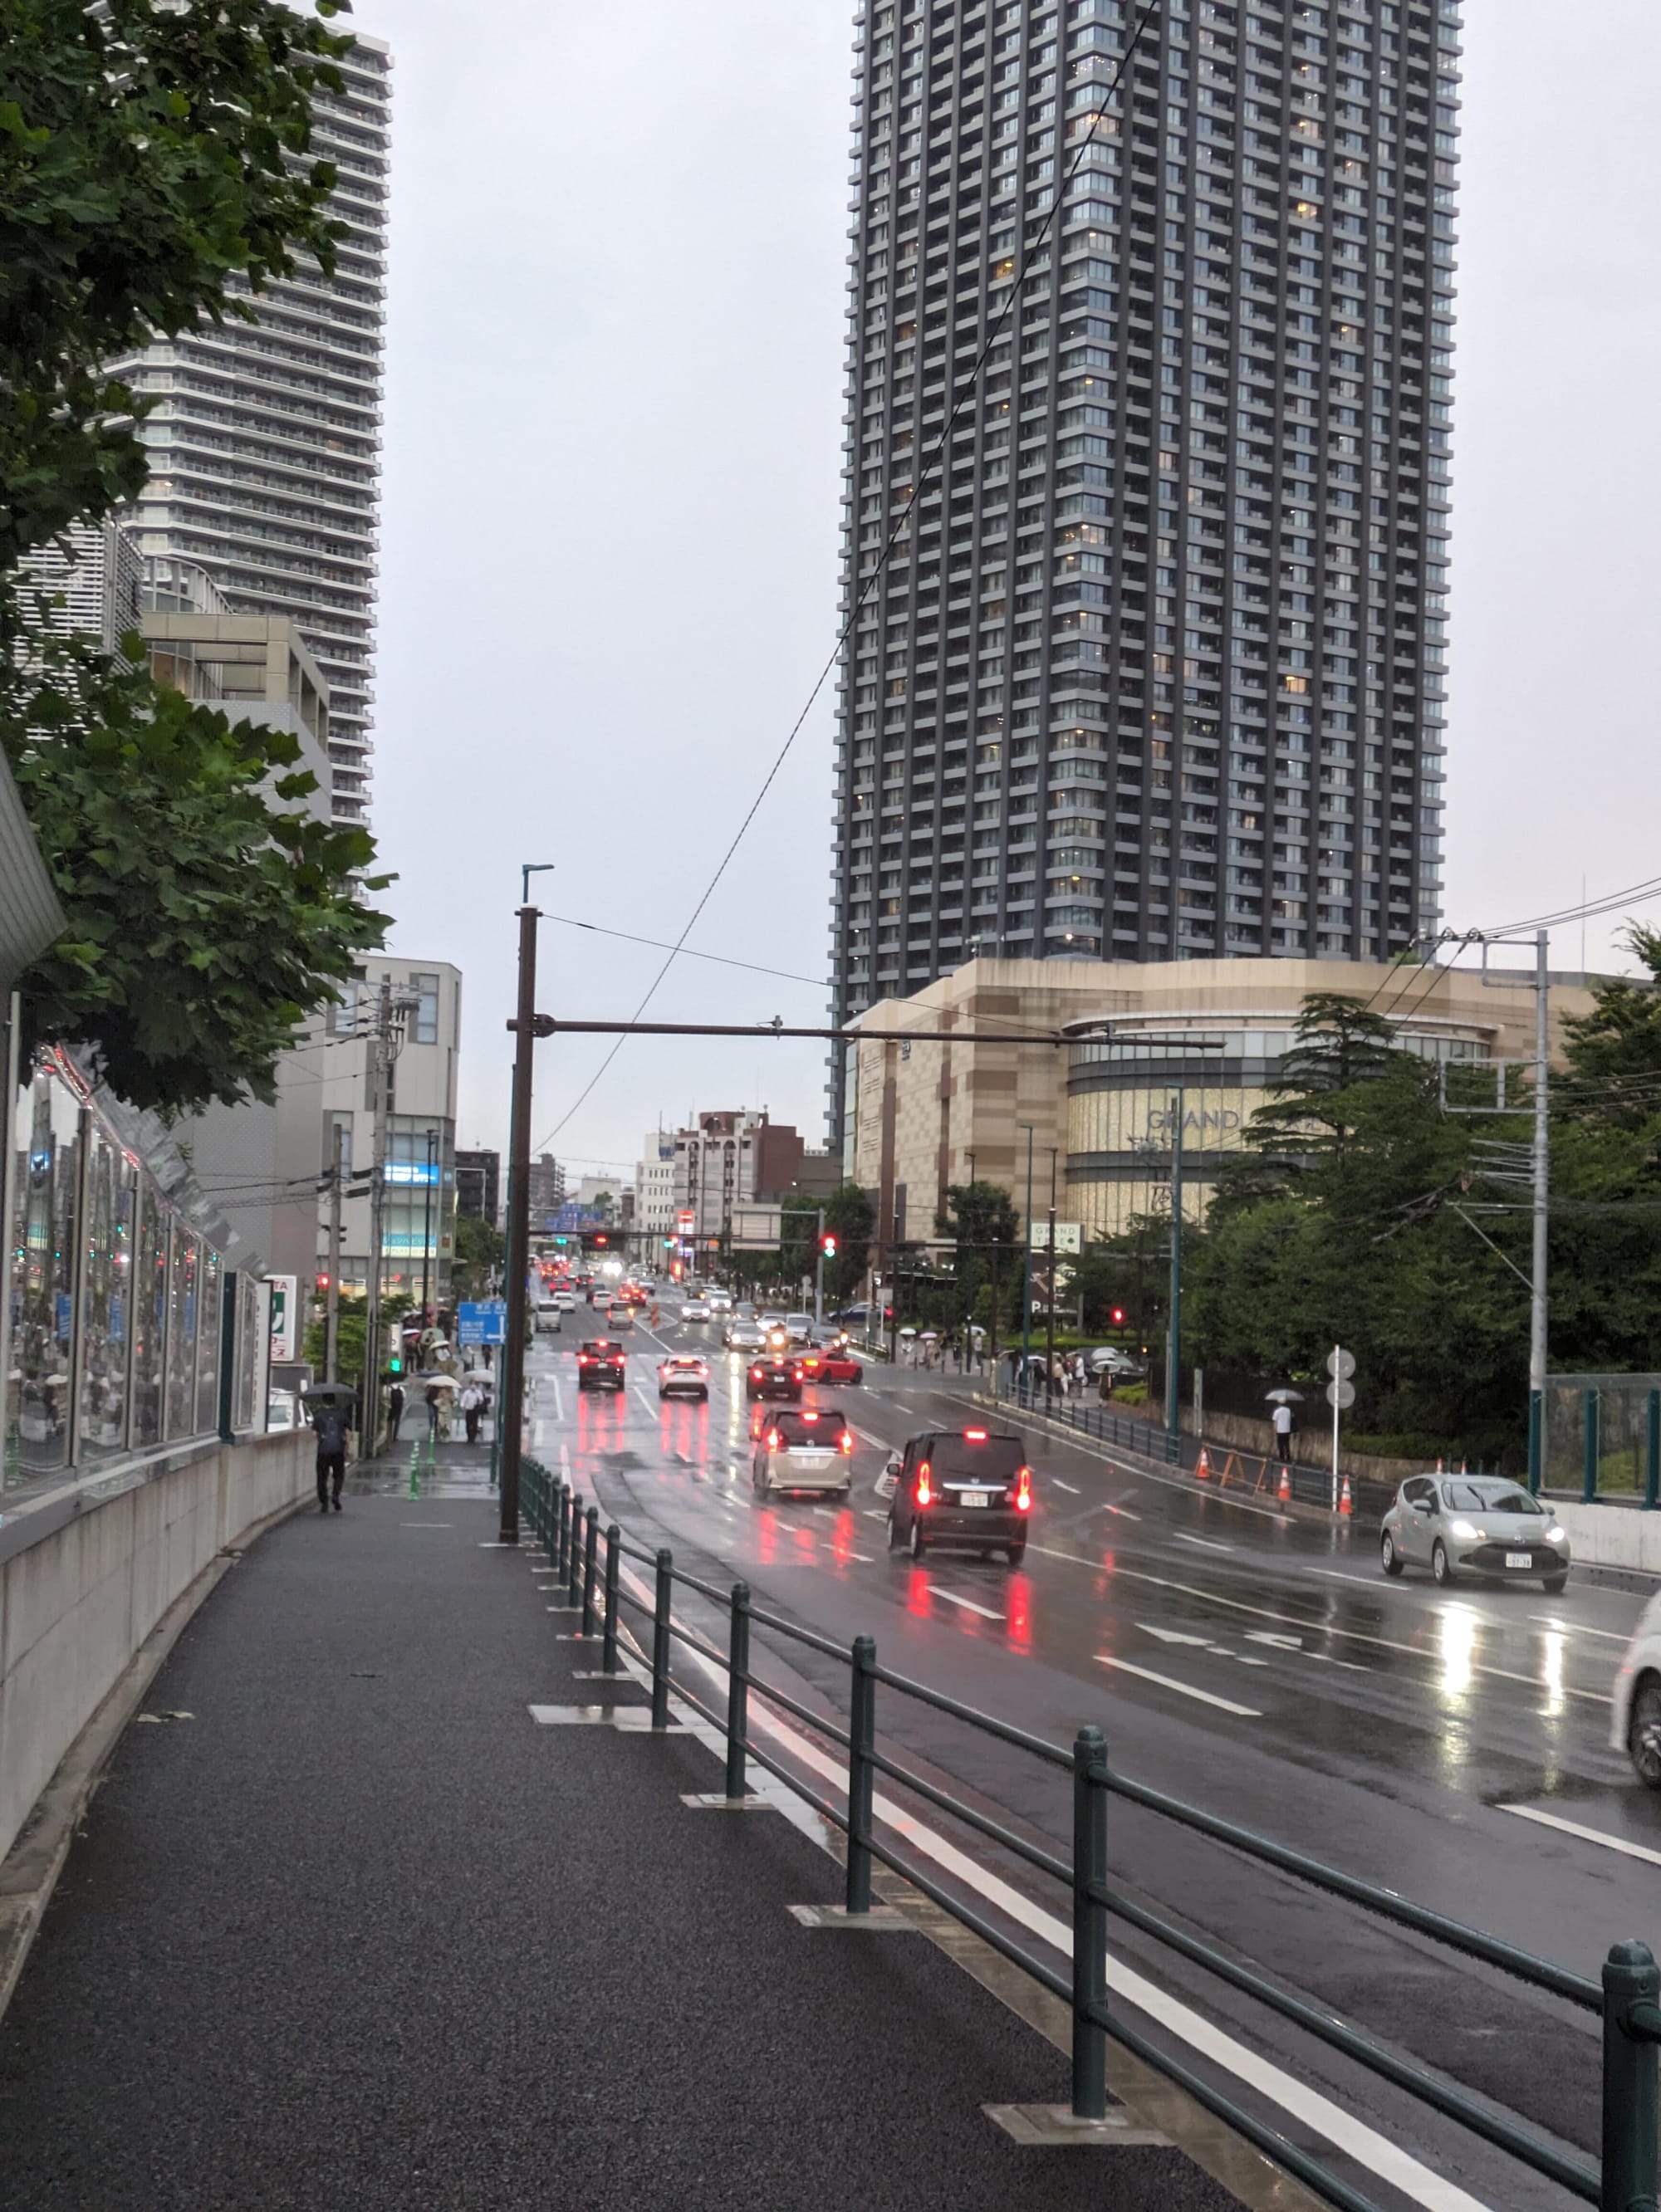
{"x": 265, "y": 440}
{"x": 1153, "y": 668}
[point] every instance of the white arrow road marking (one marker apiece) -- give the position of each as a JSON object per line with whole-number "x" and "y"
{"x": 1184, "y": 1689}
{"x": 967, "y": 1603}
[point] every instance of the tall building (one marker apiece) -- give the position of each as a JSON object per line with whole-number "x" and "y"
{"x": 479, "y": 1186}
{"x": 264, "y": 441}
{"x": 1154, "y": 669}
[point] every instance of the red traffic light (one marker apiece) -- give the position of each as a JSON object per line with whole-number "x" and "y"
{"x": 323, "y": 1282}
{"x": 599, "y": 1240}
{"x": 1118, "y": 1316}
{"x": 828, "y": 1244}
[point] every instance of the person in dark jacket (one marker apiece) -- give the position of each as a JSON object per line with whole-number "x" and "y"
{"x": 332, "y": 1426}
{"x": 394, "y": 1411}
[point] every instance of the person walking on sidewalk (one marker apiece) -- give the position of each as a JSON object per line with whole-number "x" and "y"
{"x": 472, "y": 1400}
{"x": 434, "y": 1403}
{"x": 394, "y": 1411}
{"x": 332, "y": 1425}
{"x": 1283, "y": 1429}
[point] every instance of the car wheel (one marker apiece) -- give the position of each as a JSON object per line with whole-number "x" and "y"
{"x": 1017, "y": 1552}
{"x": 1555, "y": 1582}
{"x": 1644, "y": 1733}
{"x": 893, "y": 1534}
{"x": 1439, "y": 1569}
{"x": 915, "y": 1543}
{"x": 1389, "y": 1558}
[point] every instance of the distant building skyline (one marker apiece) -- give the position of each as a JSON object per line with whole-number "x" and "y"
{"x": 264, "y": 439}
{"x": 1155, "y": 668}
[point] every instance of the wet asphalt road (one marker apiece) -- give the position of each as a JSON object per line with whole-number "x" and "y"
{"x": 1258, "y": 1665}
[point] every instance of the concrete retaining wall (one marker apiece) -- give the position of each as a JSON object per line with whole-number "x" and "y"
{"x": 76, "y": 1602}
{"x": 1611, "y": 1535}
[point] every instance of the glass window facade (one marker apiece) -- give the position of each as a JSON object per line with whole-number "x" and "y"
{"x": 106, "y": 1298}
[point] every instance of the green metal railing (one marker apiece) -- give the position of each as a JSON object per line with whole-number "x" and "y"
{"x": 1626, "y": 1999}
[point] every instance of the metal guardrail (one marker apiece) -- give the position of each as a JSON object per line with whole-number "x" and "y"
{"x": 1626, "y": 1997}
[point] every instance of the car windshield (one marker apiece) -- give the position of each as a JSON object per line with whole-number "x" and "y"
{"x": 825, "y": 1429}
{"x": 1488, "y": 1498}
{"x": 600, "y": 1347}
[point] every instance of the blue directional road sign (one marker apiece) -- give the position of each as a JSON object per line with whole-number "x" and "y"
{"x": 482, "y": 1321}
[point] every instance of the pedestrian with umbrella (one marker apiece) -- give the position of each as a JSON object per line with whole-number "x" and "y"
{"x": 1284, "y": 1421}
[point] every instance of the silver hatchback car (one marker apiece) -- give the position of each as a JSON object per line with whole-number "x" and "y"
{"x": 1473, "y": 1524}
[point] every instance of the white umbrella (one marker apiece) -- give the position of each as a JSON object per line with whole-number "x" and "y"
{"x": 1284, "y": 1397}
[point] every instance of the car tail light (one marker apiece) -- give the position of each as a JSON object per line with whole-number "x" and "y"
{"x": 582, "y": 1359}
{"x": 848, "y": 1441}
{"x": 772, "y": 1440}
{"x": 974, "y": 1436}
{"x": 925, "y": 1488}
{"x": 810, "y": 1416}
{"x": 755, "y": 1373}
{"x": 1024, "y": 1491}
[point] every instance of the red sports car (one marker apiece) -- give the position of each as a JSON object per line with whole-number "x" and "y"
{"x": 831, "y": 1363}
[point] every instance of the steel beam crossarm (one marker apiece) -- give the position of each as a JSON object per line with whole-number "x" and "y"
{"x": 546, "y": 1025}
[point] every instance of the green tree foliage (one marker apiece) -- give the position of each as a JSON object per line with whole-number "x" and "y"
{"x": 153, "y": 176}
{"x": 152, "y": 167}
{"x": 205, "y": 922}
{"x": 478, "y": 1249}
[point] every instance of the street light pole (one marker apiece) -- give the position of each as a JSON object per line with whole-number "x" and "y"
{"x": 1542, "y": 1182}
{"x": 1174, "y": 1340}
{"x": 427, "y": 1226}
{"x": 331, "y": 1323}
{"x": 510, "y": 1415}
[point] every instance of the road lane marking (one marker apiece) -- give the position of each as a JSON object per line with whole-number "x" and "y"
{"x": 1173, "y": 1635}
{"x": 1342, "y": 2130}
{"x": 1204, "y": 1542}
{"x": 1057, "y": 1484}
{"x": 1586, "y": 1835}
{"x": 1123, "y": 1512}
{"x": 559, "y": 1401}
{"x": 1577, "y": 1628}
{"x": 640, "y": 1393}
{"x": 967, "y": 1603}
{"x": 1314, "y": 1627}
{"x": 1183, "y": 1689}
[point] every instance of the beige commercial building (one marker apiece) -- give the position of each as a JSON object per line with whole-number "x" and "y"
{"x": 1088, "y": 1065}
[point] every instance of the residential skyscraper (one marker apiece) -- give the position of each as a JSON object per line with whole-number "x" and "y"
{"x": 265, "y": 439}
{"x": 1155, "y": 667}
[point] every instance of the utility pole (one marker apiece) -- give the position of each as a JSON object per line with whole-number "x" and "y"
{"x": 1026, "y": 1280}
{"x": 1537, "y": 1312}
{"x": 819, "y": 1276}
{"x": 1174, "y": 1334}
{"x": 331, "y": 1325}
{"x": 381, "y": 1050}
{"x": 516, "y": 1260}
{"x": 427, "y": 1223}
{"x": 1049, "y": 1302}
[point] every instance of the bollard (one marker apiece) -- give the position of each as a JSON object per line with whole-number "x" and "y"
{"x": 574, "y": 1564}
{"x": 738, "y": 1689}
{"x": 608, "y": 1649}
{"x": 590, "y": 1539}
{"x": 559, "y": 1534}
{"x": 1089, "y": 1923}
{"x": 862, "y": 1775}
{"x": 666, "y": 1591}
{"x": 1631, "y": 1988}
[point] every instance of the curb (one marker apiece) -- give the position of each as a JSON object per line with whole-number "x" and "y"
{"x": 29, "y": 1872}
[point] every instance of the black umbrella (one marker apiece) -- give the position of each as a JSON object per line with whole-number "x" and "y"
{"x": 329, "y": 1393}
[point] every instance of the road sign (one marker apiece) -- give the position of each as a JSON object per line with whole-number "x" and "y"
{"x": 686, "y": 1220}
{"x": 285, "y": 1316}
{"x": 756, "y": 1228}
{"x": 1069, "y": 1236}
{"x": 1342, "y": 1395}
{"x": 1341, "y": 1365}
{"x": 482, "y": 1321}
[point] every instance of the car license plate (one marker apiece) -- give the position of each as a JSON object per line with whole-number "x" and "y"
{"x": 1519, "y": 1558}
{"x": 974, "y": 1498}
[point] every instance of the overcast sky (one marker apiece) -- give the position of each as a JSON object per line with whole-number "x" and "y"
{"x": 609, "y": 537}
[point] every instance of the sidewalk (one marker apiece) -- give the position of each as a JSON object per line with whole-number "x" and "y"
{"x": 345, "y": 1928}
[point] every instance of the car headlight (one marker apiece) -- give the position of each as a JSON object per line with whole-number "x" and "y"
{"x": 1556, "y": 1536}
{"x": 1466, "y": 1531}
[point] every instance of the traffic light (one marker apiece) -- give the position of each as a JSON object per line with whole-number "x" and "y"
{"x": 601, "y": 1239}
{"x": 668, "y": 1243}
{"x": 1118, "y": 1316}
{"x": 395, "y": 1364}
{"x": 828, "y": 1244}
{"x": 322, "y": 1282}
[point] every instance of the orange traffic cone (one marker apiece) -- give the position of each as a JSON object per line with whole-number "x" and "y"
{"x": 1203, "y": 1470}
{"x": 1285, "y": 1485}
{"x": 1346, "y": 1504}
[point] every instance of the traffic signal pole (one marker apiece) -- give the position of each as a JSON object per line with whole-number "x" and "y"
{"x": 510, "y": 1395}
{"x": 818, "y": 1274}
{"x": 331, "y": 1325}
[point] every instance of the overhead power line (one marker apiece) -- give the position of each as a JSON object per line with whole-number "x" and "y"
{"x": 930, "y": 463}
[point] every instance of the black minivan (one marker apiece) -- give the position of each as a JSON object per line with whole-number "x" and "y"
{"x": 970, "y": 1488}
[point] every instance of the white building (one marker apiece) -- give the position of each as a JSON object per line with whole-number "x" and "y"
{"x": 655, "y": 1185}
{"x": 265, "y": 441}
